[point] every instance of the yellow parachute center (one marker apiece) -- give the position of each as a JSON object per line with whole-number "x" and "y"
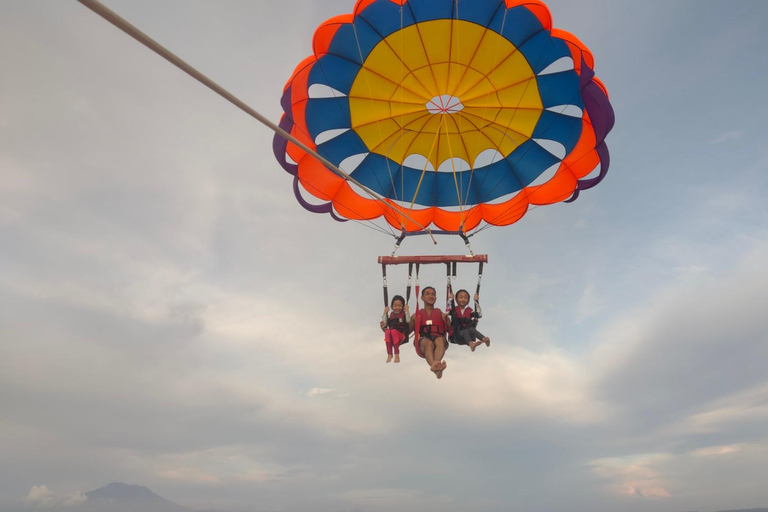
{"x": 444, "y": 89}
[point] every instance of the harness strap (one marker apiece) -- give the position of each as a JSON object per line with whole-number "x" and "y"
{"x": 384, "y": 276}
{"x": 417, "y": 286}
{"x": 408, "y": 288}
{"x": 479, "y": 278}
{"x": 397, "y": 323}
{"x": 431, "y": 329}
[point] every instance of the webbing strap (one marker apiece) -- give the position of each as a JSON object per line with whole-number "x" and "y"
{"x": 408, "y": 288}
{"x": 386, "y": 292}
{"x": 417, "y": 286}
{"x": 479, "y": 278}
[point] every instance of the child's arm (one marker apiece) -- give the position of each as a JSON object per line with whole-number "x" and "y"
{"x": 477, "y": 306}
{"x": 407, "y": 314}
{"x": 384, "y": 319}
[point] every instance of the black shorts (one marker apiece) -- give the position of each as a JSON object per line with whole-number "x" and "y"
{"x": 432, "y": 337}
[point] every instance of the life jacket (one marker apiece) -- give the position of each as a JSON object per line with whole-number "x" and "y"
{"x": 397, "y": 321}
{"x": 466, "y": 319}
{"x": 436, "y": 325}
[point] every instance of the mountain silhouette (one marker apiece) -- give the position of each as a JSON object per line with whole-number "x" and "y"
{"x": 119, "y": 497}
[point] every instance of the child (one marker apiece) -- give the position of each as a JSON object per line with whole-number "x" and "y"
{"x": 464, "y": 321}
{"x": 395, "y": 326}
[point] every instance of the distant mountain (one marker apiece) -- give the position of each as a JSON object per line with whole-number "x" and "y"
{"x": 118, "y": 497}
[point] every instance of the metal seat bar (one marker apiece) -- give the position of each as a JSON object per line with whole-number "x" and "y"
{"x": 427, "y": 260}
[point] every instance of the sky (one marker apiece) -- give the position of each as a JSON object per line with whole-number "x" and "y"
{"x": 171, "y": 317}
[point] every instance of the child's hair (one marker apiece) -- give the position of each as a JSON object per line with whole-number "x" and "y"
{"x": 424, "y": 290}
{"x": 462, "y": 291}
{"x": 397, "y": 297}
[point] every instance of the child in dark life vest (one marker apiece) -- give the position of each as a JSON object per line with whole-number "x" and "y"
{"x": 395, "y": 326}
{"x": 464, "y": 321}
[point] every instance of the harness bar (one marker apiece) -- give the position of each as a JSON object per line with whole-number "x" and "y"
{"x": 427, "y": 260}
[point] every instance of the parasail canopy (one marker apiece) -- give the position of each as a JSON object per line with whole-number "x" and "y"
{"x": 444, "y": 113}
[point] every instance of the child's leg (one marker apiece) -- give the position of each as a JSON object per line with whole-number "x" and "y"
{"x": 388, "y": 341}
{"x": 397, "y": 338}
{"x": 466, "y": 335}
{"x": 480, "y": 336}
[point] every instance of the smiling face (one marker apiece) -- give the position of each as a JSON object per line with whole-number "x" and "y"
{"x": 429, "y": 296}
{"x": 397, "y": 306}
{"x": 462, "y": 298}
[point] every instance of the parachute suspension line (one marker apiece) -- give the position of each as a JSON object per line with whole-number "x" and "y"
{"x": 453, "y": 168}
{"x": 463, "y": 198}
{"x": 392, "y": 178}
{"x": 506, "y": 135}
{"x": 362, "y": 146}
{"x": 424, "y": 171}
{"x": 370, "y": 225}
{"x": 378, "y": 125}
{"x": 460, "y": 186}
{"x": 513, "y": 210}
{"x": 163, "y": 52}
{"x": 485, "y": 111}
{"x": 402, "y": 116}
{"x": 482, "y": 118}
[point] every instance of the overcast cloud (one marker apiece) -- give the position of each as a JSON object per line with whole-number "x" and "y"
{"x": 170, "y": 317}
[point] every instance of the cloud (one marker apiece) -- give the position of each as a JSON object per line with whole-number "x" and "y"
{"x": 188, "y": 324}
{"x": 691, "y": 269}
{"x": 633, "y": 476}
{"x": 718, "y": 450}
{"x": 319, "y": 391}
{"x": 725, "y": 137}
{"x": 76, "y": 500}
{"x": 589, "y": 304}
{"x": 394, "y": 498}
{"x": 692, "y": 344}
{"x": 40, "y": 496}
{"x": 738, "y": 410}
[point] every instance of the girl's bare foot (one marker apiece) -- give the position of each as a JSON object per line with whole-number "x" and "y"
{"x": 389, "y": 359}
{"x": 473, "y": 345}
{"x": 397, "y": 358}
{"x": 442, "y": 365}
{"x": 435, "y": 367}
{"x": 487, "y": 341}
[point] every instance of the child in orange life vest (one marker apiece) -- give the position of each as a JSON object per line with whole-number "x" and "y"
{"x": 395, "y": 326}
{"x": 464, "y": 321}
